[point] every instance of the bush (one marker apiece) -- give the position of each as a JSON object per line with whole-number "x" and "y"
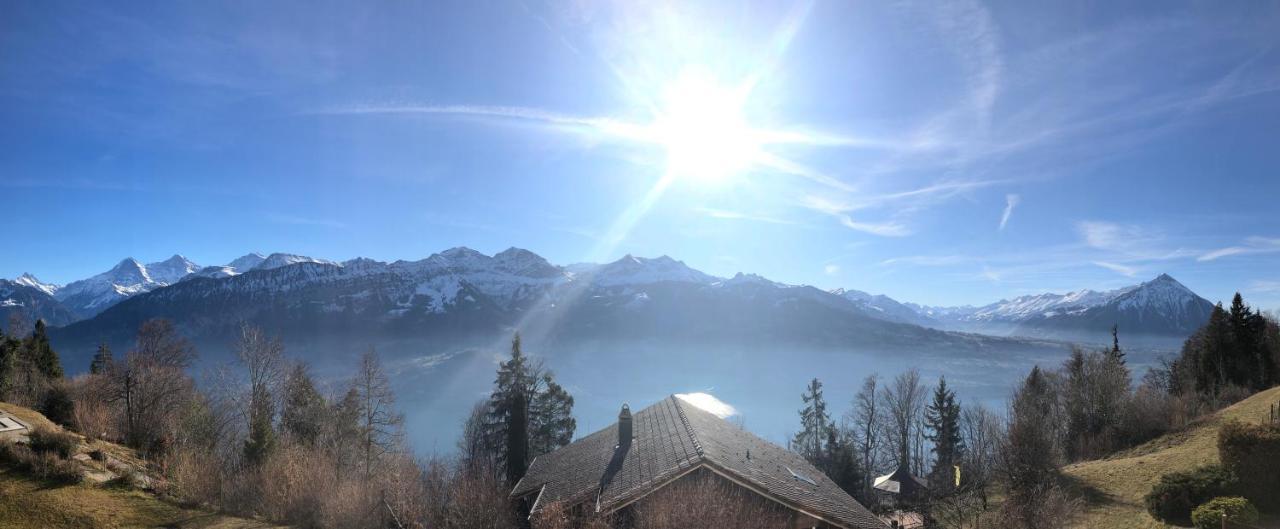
{"x": 44, "y": 465}
{"x": 1252, "y": 452}
{"x": 1236, "y": 509}
{"x": 50, "y": 467}
{"x": 58, "y": 406}
{"x": 1177, "y": 493}
{"x": 63, "y": 444}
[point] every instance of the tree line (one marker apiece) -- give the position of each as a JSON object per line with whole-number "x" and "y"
{"x": 262, "y": 436}
{"x": 1086, "y": 408}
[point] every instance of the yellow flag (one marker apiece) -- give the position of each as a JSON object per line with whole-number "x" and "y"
{"x": 957, "y": 467}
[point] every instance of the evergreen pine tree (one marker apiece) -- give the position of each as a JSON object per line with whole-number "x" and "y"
{"x": 8, "y": 364}
{"x": 102, "y": 359}
{"x": 551, "y": 422}
{"x": 526, "y": 399}
{"x": 942, "y": 418}
{"x": 42, "y": 354}
{"x": 1115, "y": 352}
{"x": 815, "y": 426}
{"x": 304, "y": 412}
{"x": 262, "y": 436}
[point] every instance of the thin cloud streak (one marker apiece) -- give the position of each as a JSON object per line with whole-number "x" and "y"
{"x": 1011, "y": 201}
{"x": 1128, "y": 271}
{"x": 735, "y": 215}
{"x": 1253, "y": 245}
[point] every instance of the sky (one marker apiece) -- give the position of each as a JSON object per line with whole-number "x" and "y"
{"x": 940, "y": 153}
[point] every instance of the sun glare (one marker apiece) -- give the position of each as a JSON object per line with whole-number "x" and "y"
{"x": 703, "y": 130}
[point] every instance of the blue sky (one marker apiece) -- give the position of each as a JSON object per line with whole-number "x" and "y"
{"x": 939, "y": 153}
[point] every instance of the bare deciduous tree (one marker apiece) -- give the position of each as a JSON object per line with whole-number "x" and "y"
{"x": 903, "y": 406}
{"x": 866, "y": 419}
{"x": 152, "y": 383}
{"x": 379, "y": 422}
{"x": 263, "y": 357}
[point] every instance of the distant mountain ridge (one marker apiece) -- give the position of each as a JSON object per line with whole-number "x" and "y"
{"x": 462, "y": 283}
{"x": 1159, "y": 307}
{"x": 462, "y": 297}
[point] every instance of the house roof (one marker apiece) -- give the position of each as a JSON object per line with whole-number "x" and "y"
{"x": 671, "y": 438}
{"x": 900, "y": 481}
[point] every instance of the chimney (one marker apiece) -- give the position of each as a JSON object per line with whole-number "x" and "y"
{"x": 624, "y": 426}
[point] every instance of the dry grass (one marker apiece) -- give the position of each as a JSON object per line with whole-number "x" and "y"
{"x": 29, "y": 502}
{"x": 32, "y": 418}
{"x": 1114, "y": 487}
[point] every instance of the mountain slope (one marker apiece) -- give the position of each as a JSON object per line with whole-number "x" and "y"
{"x": 27, "y": 503}
{"x": 31, "y": 303}
{"x": 1161, "y": 309}
{"x": 463, "y": 298}
{"x": 88, "y": 297}
{"x": 1114, "y": 487}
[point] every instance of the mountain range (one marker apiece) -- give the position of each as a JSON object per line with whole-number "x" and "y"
{"x": 462, "y": 297}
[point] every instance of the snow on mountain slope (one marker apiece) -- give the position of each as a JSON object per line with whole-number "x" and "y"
{"x": 246, "y": 262}
{"x": 631, "y": 270}
{"x": 171, "y": 270}
{"x": 277, "y": 260}
{"x": 88, "y": 297}
{"x": 31, "y": 281}
{"x": 31, "y": 303}
{"x": 884, "y": 307}
{"x": 1162, "y": 306}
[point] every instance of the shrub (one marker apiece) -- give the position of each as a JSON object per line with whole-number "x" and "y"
{"x": 63, "y": 444}
{"x": 50, "y": 467}
{"x": 1177, "y": 493}
{"x": 1252, "y": 452}
{"x": 58, "y": 406}
{"x": 1235, "y": 509}
{"x": 43, "y": 465}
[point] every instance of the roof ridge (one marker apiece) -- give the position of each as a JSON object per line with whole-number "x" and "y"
{"x": 688, "y": 428}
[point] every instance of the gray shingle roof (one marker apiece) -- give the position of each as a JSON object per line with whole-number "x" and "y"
{"x": 670, "y": 438}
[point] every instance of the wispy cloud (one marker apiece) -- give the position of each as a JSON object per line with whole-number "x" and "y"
{"x": 831, "y": 269}
{"x": 281, "y": 218}
{"x": 1010, "y": 201}
{"x": 1264, "y": 286}
{"x": 1252, "y": 245}
{"x": 1125, "y": 270}
{"x": 929, "y": 260}
{"x": 737, "y": 215}
{"x": 883, "y": 229}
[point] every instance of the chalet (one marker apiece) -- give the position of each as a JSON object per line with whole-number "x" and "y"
{"x": 614, "y": 469}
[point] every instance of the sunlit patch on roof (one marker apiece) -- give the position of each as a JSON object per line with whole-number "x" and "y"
{"x": 802, "y": 477}
{"x": 709, "y": 403}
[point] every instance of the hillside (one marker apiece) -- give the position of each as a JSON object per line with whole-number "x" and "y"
{"x": 1114, "y": 487}
{"x": 26, "y": 502}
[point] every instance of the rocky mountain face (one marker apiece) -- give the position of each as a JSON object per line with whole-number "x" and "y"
{"x": 1159, "y": 308}
{"x": 462, "y": 298}
{"x": 28, "y": 303}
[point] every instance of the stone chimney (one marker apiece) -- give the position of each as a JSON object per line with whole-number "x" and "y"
{"x": 624, "y": 426}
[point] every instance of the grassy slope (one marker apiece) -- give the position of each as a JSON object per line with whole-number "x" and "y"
{"x": 26, "y": 503}
{"x": 1115, "y": 486}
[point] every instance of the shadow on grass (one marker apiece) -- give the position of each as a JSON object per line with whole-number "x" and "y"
{"x": 1091, "y": 494}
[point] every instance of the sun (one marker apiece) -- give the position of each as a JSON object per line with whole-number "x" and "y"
{"x": 701, "y": 126}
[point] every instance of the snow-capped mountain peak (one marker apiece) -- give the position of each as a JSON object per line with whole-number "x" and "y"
{"x": 753, "y": 279}
{"x": 639, "y": 270}
{"x": 1164, "y": 293}
{"x": 171, "y": 270}
{"x": 27, "y": 279}
{"x": 277, "y": 260}
{"x": 246, "y": 262}
{"x": 524, "y": 262}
